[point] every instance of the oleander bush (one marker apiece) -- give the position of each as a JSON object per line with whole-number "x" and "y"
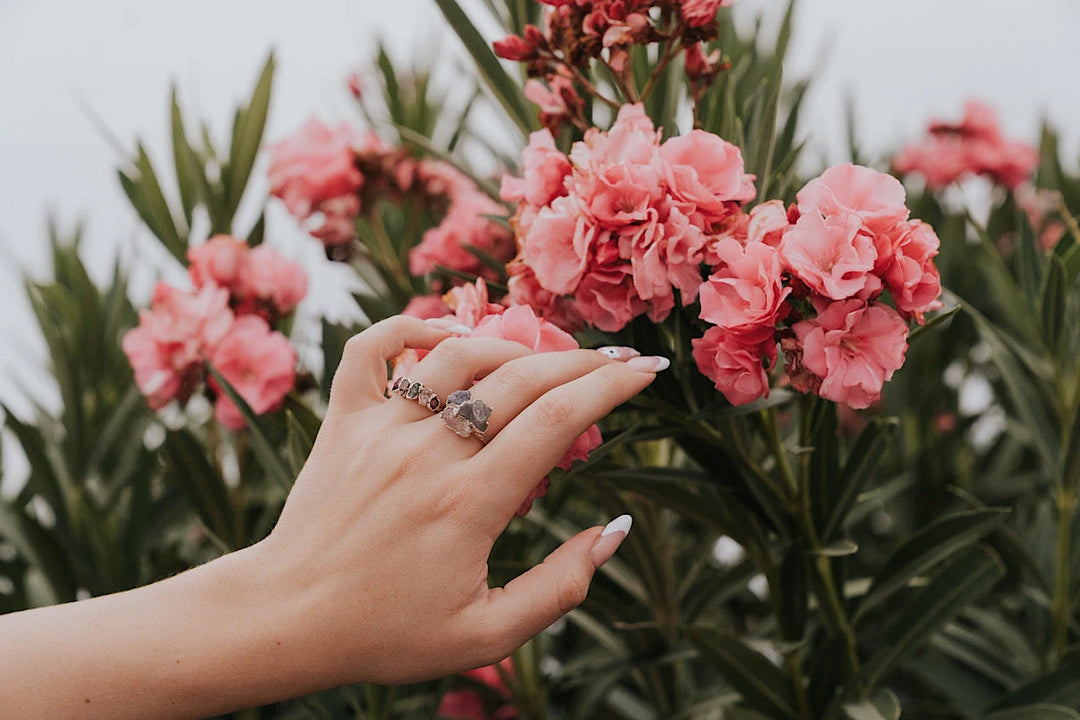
{"x": 854, "y": 489}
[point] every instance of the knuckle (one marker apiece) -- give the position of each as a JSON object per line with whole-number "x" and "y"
{"x": 452, "y": 351}
{"x": 572, "y": 589}
{"x": 513, "y": 374}
{"x": 552, "y": 410}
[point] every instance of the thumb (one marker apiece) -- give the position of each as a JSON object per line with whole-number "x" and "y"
{"x": 536, "y": 599}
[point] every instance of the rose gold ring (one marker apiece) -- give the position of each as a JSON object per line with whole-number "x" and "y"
{"x": 414, "y": 390}
{"x": 466, "y": 415}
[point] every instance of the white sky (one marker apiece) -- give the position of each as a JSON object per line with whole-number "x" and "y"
{"x": 902, "y": 61}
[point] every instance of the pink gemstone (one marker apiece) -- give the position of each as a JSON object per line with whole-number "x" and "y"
{"x": 425, "y": 395}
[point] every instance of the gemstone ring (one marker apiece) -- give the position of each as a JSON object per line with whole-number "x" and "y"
{"x": 466, "y": 415}
{"x": 413, "y": 390}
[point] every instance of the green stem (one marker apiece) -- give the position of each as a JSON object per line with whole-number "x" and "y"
{"x": 1061, "y": 607}
{"x": 776, "y": 447}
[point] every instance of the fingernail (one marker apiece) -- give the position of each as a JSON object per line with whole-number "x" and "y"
{"x": 649, "y": 363}
{"x": 450, "y": 325}
{"x": 618, "y": 352}
{"x": 610, "y": 540}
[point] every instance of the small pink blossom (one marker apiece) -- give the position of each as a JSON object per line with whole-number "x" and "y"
{"x": 524, "y": 289}
{"x": 698, "y": 13}
{"x": 276, "y": 283}
{"x": 467, "y": 704}
{"x": 831, "y": 255}
{"x": 558, "y": 246}
{"x": 853, "y": 348}
{"x": 767, "y": 223}
{"x": 706, "y": 171}
{"x": 219, "y": 261}
{"x": 738, "y": 365}
{"x": 258, "y": 363}
{"x": 173, "y": 337}
{"x": 314, "y": 165}
{"x": 912, "y": 277}
{"x": 745, "y": 291}
{"x": 469, "y": 303}
{"x": 875, "y": 197}
{"x": 426, "y": 306}
{"x": 544, "y": 171}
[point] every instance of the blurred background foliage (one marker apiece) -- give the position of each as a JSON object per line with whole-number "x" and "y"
{"x": 926, "y": 560}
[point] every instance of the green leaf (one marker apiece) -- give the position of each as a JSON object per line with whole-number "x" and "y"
{"x": 498, "y": 81}
{"x": 1060, "y": 687}
{"x": 1036, "y": 712}
{"x": 333, "y": 344}
{"x": 264, "y": 449}
{"x": 959, "y": 584}
{"x": 193, "y": 473}
{"x": 41, "y": 549}
{"x": 297, "y": 443}
{"x": 144, "y": 192}
{"x": 859, "y": 466}
{"x": 763, "y": 686}
{"x": 881, "y": 705}
{"x": 1070, "y": 466}
{"x": 931, "y": 545}
{"x": 247, "y": 136}
{"x": 1053, "y": 304}
{"x": 186, "y": 164}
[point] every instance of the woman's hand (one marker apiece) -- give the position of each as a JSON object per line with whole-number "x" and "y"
{"x": 377, "y": 568}
{"x": 387, "y": 533}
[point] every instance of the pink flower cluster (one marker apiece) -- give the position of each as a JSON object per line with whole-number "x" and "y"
{"x": 578, "y": 32}
{"x": 623, "y": 221}
{"x": 471, "y": 307}
{"x": 469, "y": 704}
{"x": 225, "y": 322}
{"x": 974, "y": 146}
{"x": 315, "y": 172}
{"x": 812, "y": 278}
{"x": 327, "y": 176}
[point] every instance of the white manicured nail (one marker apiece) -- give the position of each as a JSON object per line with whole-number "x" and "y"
{"x": 610, "y": 539}
{"x": 649, "y": 363}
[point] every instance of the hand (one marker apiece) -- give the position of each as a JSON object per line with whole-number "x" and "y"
{"x": 377, "y": 568}
{"x": 385, "y": 537}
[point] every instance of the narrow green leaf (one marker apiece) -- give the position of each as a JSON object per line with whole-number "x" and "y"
{"x": 933, "y": 544}
{"x": 186, "y": 165}
{"x": 1036, "y": 712}
{"x": 763, "y": 686}
{"x": 264, "y": 449}
{"x": 859, "y": 466}
{"x": 1053, "y": 304}
{"x": 247, "y": 136}
{"x": 192, "y": 472}
{"x": 297, "y": 443}
{"x": 959, "y": 584}
{"x": 41, "y": 549}
{"x": 1059, "y": 687}
{"x": 498, "y": 81}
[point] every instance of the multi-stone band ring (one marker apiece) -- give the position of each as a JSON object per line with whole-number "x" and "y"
{"x": 414, "y": 390}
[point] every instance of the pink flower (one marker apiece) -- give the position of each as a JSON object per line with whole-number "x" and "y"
{"x": 558, "y": 246}
{"x": 852, "y": 348}
{"x": 469, "y": 303}
{"x": 524, "y": 289}
{"x": 706, "y": 171}
{"x": 974, "y": 146}
{"x": 172, "y": 339}
{"x": 831, "y": 255}
{"x": 745, "y": 291}
{"x": 875, "y": 197}
{"x": 606, "y": 298}
{"x": 767, "y": 224}
{"x": 467, "y": 704}
{"x": 276, "y": 283}
{"x": 426, "y": 306}
{"x": 314, "y": 165}
{"x": 698, "y": 13}
{"x": 219, "y": 261}
{"x": 258, "y": 363}
{"x": 521, "y": 325}
{"x": 559, "y": 105}
{"x": 544, "y": 171}
{"x": 912, "y": 278}
{"x": 737, "y": 364}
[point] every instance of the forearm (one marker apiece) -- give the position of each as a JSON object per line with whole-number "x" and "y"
{"x": 210, "y": 640}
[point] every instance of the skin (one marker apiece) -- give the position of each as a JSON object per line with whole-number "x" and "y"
{"x": 376, "y": 570}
